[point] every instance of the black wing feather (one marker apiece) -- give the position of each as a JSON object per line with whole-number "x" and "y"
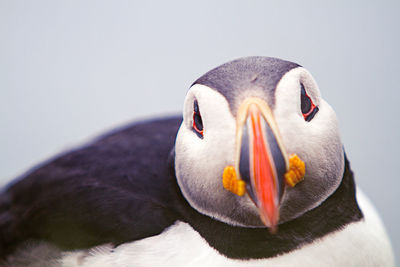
{"x": 116, "y": 189}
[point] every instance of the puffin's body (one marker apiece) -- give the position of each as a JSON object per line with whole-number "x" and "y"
{"x": 151, "y": 194}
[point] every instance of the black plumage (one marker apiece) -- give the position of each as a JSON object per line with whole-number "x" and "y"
{"x": 122, "y": 187}
{"x": 114, "y": 190}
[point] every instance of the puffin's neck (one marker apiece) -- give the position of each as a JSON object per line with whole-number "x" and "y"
{"x": 336, "y": 211}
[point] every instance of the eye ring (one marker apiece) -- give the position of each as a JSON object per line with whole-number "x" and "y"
{"x": 197, "y": 120}
{"x": 308, "y": 108}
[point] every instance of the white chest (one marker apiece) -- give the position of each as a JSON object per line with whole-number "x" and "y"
{"x": 359, "y": 244}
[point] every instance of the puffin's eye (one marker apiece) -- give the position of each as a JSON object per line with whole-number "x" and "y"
{"x": 307, "y": 106}
{"x": 197, "y": 121}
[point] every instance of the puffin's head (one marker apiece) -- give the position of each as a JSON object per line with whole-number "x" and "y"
{"x": 245, "y": 120}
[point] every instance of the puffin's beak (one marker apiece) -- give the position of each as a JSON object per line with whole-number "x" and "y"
{"x": 261, "y": 160}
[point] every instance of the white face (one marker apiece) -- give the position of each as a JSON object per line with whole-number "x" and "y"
{"x": 199, "y": 162}
{"x": 316, "y": 142}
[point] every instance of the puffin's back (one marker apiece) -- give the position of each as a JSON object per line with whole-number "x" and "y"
{"x": 110, "y": 191}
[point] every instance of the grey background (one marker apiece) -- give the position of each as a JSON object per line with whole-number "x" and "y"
{"x": 71, "y": 69}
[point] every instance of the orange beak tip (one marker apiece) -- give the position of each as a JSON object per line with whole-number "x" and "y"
{"x": 273, "y": 230}
{"x": 270, "y": 220}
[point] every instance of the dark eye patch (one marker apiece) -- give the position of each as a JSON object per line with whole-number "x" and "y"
{"x": 308, "y": 108}
{"x": 197, "y": 121}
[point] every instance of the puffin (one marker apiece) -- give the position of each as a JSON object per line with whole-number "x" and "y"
{"x": 253, "y": 173}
